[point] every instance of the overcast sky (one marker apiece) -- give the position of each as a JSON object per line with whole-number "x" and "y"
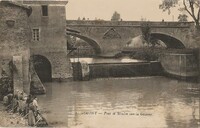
{"x": 129, "y": 9}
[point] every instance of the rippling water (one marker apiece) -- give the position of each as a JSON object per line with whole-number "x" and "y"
{"x": 153, "y": 102}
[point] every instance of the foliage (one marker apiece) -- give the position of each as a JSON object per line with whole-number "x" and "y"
{"x": 167, "y": 4}
{"x": 116, "y": 16}
{"x": 6, "y": 80}
{"x": 148, "y": 54}
{"x": 6, "y": 86}
{"x": 143, "y": 19}
{"x": 146, "y": 34}
{"x": 192, "y": 7}
{"x": 145, "y": 54}
{"x": 153, "y": 54}
{"x": 182, "y": 18}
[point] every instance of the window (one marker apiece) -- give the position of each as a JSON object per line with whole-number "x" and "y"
{"x": 36, "y": 34}
{"x": 44, "y": 10}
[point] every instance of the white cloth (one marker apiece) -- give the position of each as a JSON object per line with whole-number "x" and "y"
{"x": 85, "y": 69}
{"x": 35, "y": 104}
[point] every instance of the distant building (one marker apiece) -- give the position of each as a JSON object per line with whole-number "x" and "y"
{"x": 48, "y": 42}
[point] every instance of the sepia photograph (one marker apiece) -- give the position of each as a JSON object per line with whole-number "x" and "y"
{"x": 100, "y": 63}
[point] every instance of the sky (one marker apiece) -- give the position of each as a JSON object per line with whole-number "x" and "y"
{"x": 130, "y": 10}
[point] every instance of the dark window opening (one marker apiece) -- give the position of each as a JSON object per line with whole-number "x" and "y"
{"x": 44, "y": 10}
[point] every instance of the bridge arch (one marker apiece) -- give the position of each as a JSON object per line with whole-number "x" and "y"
{"x": 42, "y": 67}
{"x": 170, "y": 41}
{"x": 90, "y": 41}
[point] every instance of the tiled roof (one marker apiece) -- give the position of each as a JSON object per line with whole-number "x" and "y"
{"x": 27, "y": 8}
{"x": 62, "y": 2}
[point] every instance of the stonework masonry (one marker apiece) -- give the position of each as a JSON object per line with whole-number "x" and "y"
{"x": 14, "y": 39}
{"x": 52, "y": 41}
{"x": 118, "y": 33}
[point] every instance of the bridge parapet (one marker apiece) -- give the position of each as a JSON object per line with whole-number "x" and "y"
{"x": 97, "y": 23}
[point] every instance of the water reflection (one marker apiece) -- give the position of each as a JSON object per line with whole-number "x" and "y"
{"x": 143, "y": 102}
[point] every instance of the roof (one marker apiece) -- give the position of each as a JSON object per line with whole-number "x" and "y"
{"x": 25, "y": 7}
{"x": 45, "y": 2}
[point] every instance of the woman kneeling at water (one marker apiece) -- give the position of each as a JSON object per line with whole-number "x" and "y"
{"x": 31, "y": 115}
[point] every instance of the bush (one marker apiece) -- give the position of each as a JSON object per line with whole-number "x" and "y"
{"x": 145, "y": 54}
{"x": 152, "y": 54}
{"x": 6, "y": 86}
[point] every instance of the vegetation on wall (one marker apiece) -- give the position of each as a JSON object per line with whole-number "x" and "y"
{"x": 6, "y": 82}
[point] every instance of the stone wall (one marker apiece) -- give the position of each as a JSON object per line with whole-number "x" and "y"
{"x": 61, "y": 67}
{"x": 14, "y": 38}
{"x": 180, "y": 65}
{"x": 52, "y": 42}
{"x": 196, "y": 39}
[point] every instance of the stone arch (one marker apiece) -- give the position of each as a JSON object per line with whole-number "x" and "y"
{"x": 170, "y": 41}
{"x": 90, "y": 41}
{"x": 43, "y": 67}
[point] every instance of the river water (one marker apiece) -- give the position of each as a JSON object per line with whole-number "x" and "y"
{"x": 143, "y": 102}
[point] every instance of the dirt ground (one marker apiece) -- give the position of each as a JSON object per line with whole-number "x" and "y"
{"x": 8, "y": 119}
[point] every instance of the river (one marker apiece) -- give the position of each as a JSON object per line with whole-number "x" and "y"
{"x": 139, "y": 102}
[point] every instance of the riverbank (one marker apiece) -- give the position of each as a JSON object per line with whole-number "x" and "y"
{"x": 9, "y": 119}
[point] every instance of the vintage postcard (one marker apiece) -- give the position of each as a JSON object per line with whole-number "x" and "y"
{"x": 100, "y": 63}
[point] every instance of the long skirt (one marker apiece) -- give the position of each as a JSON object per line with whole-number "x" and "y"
{"x": 31, "y": 118}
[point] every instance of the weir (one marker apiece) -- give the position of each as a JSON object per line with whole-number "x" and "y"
{"x": 172, "y": 64}
{"x": 91, "y": 68}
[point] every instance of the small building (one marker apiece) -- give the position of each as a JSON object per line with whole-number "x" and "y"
{"x": 48, "y": 41}
{"x": 15, "y": 36}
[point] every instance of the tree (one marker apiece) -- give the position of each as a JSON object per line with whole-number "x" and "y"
{"x": 146, "y": 34}
{"x": 116, "y": 16}
{"x": 182, "y": 18}
{"x": 143, "y": 19}
{"x": 192, "y": 7}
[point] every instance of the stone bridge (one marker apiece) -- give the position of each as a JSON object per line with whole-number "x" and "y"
{"x": 107, "y": 36}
